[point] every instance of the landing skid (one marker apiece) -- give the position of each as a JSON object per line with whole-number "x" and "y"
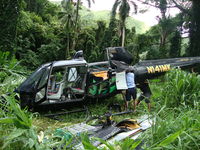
{"x": 55, "y": 115}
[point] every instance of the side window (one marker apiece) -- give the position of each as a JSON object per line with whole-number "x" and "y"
{"x": 58, "y": 74}
{"x": 76, "y": 76}
{"x": 72, "y": 75}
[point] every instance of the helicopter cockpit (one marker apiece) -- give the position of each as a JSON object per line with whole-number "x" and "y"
{"x": 56, "y": 82}
{"x": 67, "y": 83}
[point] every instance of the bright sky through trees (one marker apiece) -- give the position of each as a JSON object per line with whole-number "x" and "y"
{"x": 150, "y": 17}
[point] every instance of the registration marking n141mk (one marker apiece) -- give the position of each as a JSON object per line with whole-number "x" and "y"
{"x": 158, "y": 68}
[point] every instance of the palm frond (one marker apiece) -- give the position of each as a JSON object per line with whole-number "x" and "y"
{"x": 124, "y": 11}
{"x": 135, "y": 6}
{"x": 90, "y": 2}
{"x": 114, "y": 8}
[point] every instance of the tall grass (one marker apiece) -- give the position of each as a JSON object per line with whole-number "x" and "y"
{"x": 177, "y": 119}
{"x": 16, "y": 129}
{"x": 181, "y": 88}
{"x": 176, "y": 112}
{"x": 174, "y": 129}
{"x": 127, "y": 144}
{"x": 11, "y": 73}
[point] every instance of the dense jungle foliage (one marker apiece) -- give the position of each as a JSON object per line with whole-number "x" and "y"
{"x": 38, "y": 31}
{"x": 34, "y": 32}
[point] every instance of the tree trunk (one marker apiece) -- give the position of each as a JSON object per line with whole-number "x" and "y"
{"x": 74, "y": 42}
{"x": 68, "y": 46}
{"x": 77, "y": 14}
{"x": 195, "y": 29}
{"x": 162, "y": 49}
{"x": 123, "y": 36}
{"x": 76, "y": 26}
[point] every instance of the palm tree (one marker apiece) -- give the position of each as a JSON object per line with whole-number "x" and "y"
{"x": 70, "y": 18}
{"x": 124, "y": 10}
{"x": 78, "y": 2}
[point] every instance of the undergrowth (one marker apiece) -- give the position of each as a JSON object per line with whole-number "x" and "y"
{"x": 177, "y": 119}
{"x": 175, "y": 111}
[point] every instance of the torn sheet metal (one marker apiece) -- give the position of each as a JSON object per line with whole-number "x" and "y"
{"x": 79, "y": 128}
{"x": 133, "y": 134}
{"x": 102, "y": 74}
{"x": 127, "y": 128}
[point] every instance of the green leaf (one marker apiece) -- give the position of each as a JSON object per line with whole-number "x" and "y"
{"x": 22, "y": 119}
{"x": 30, "y": 142}
{"x": 126, "y": 144}
{"x": 16, "y": 133}
{"x": 135, "y": 144}
{"x": 86, "y": 142}
{"x": 6, "y": 120}
{"x": 106, "y": 143}
{"x": 88, "y": 145}
{"x": 170, "y": 138}
{"x": 68, "y": 143}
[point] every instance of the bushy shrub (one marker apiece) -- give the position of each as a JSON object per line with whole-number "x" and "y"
{"x": 11, "y": 73}
{"x": 17, "y": 129}
{"x": 174, "y": 129}
{"x": 181, "y": 88}
{"x": 176, "y": 119}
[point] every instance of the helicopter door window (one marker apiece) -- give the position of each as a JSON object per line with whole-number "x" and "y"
{"x": 41, "y": 86}
{"x": 72, "y": 74}
{"x": 76, "y": 78}
{"x": 44, "y": 79}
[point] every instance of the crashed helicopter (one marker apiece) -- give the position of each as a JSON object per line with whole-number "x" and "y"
{"x": 66, "y": 81}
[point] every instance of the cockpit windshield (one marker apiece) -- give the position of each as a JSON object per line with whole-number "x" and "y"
{"x": 31, "y": 82}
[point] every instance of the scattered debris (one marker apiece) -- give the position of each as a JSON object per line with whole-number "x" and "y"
{"x": 112, "y": 132}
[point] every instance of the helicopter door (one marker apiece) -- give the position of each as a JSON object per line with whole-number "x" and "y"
{"x": 56, "y": 83}
{"x": 42, "y": 86}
